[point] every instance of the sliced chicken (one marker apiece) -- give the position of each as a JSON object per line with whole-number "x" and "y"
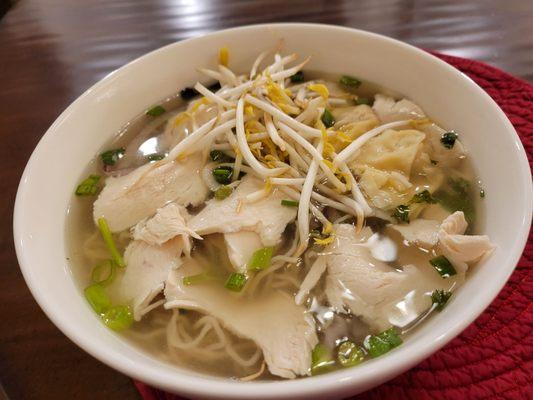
{"x": 422, "y": 232}
{"x": 284, "y": 331}
{"x": 366, "y": 287}
{"x": 168, "y": 222}
{"x": 388, "y": 109}
{"x": 267, "y": 217}
{"x": 462, "y": 249}
{"x": 147, "y": 268}
{"x": 129, "y": 199}
{"x": 241, "y": 246}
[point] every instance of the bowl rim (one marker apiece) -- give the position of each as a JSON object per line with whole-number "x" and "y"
{"x": 342, "y": 380}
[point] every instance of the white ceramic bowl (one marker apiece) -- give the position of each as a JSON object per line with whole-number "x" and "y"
{"x": 81, "y": 130}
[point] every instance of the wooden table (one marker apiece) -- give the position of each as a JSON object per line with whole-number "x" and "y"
{"x": 51, "y": 51}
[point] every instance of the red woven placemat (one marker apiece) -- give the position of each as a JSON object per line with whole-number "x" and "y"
{"x": 493, "y": 357}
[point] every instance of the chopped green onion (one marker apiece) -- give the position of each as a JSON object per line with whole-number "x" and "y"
{"x": 440, "y": 298}
{"x": 297, "y": 77}
{"x": 290, "y": 203}
{"x": 321, "y": 360}
{"x": 423, "y": 197}
{"x": 350, "y": 81}
{"x": 155, "y": 111}
{"x": 236, "y": 282}
{"x": 89, "y": 186}
{"x": 401, "y": 213}
{"x": 443, "y": 266}
{"x": 434, "y": 162}
{"x": 155, "y": 157}
{"x": 363, "y": 100}
{"x": 108, "y": 239}
{"x": 97, "y": 298}
{"x": 377, "y": 345}
{"x": 218, "y": 155}
{"x": 448, "y": 139}
{"x": 327, "y": 118}
{"x": 223, "y": 174}
{"x": 189, "y": 93}
{"x": 118, "y": 318}
{"x": 223, "y": 191}
{"x": 349, "y": 354}
{"x": 482, "y": 193}
{"x": 100, "y": 269}
{"x": 195, "y": 279}
{"x": 261, "y": 259}
{"x": 110, "y": 157}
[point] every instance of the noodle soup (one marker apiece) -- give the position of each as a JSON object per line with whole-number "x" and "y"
{"x": 276, "y": 224}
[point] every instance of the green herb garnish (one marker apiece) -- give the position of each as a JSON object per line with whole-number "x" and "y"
{"x": 236, "y": 282}
{"x": 155, "y": 157}
{"x": 115, "y": 317}
{"x": 104, "y": 273}
{"x": 223, "y": 191}
{"x": 401, "y": 213}
{"x": 349, "y": 354}
{"x": 89, "y": 186}
{"x": 108, "y": 239}
{"x": 377, "y": 345}
{"x": 443, "y": 266}
{"x": 261, "y": 259}
{"x": 155, "y": 111}
{"x": 423, "y": 197}
{"x": 290, "y": 203}
{"x": 297, "y": 77}
{"x": 97, "y": 298}
{"x": 448, "y": 139}
{"x": 350, "y": 81}
{"x": 327, "y": 118}
{"x": 440, "y": 298}
{"x": 118, "y": 318}
{"x": 223, "y": 174}
{"x": 110, "y": 157}
{"x": 321, "y": 360}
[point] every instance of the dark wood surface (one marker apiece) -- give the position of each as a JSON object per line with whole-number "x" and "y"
{"x": 51, "y": 51}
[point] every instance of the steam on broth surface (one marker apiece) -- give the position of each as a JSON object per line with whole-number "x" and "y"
{"x": 276, "y": 224}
